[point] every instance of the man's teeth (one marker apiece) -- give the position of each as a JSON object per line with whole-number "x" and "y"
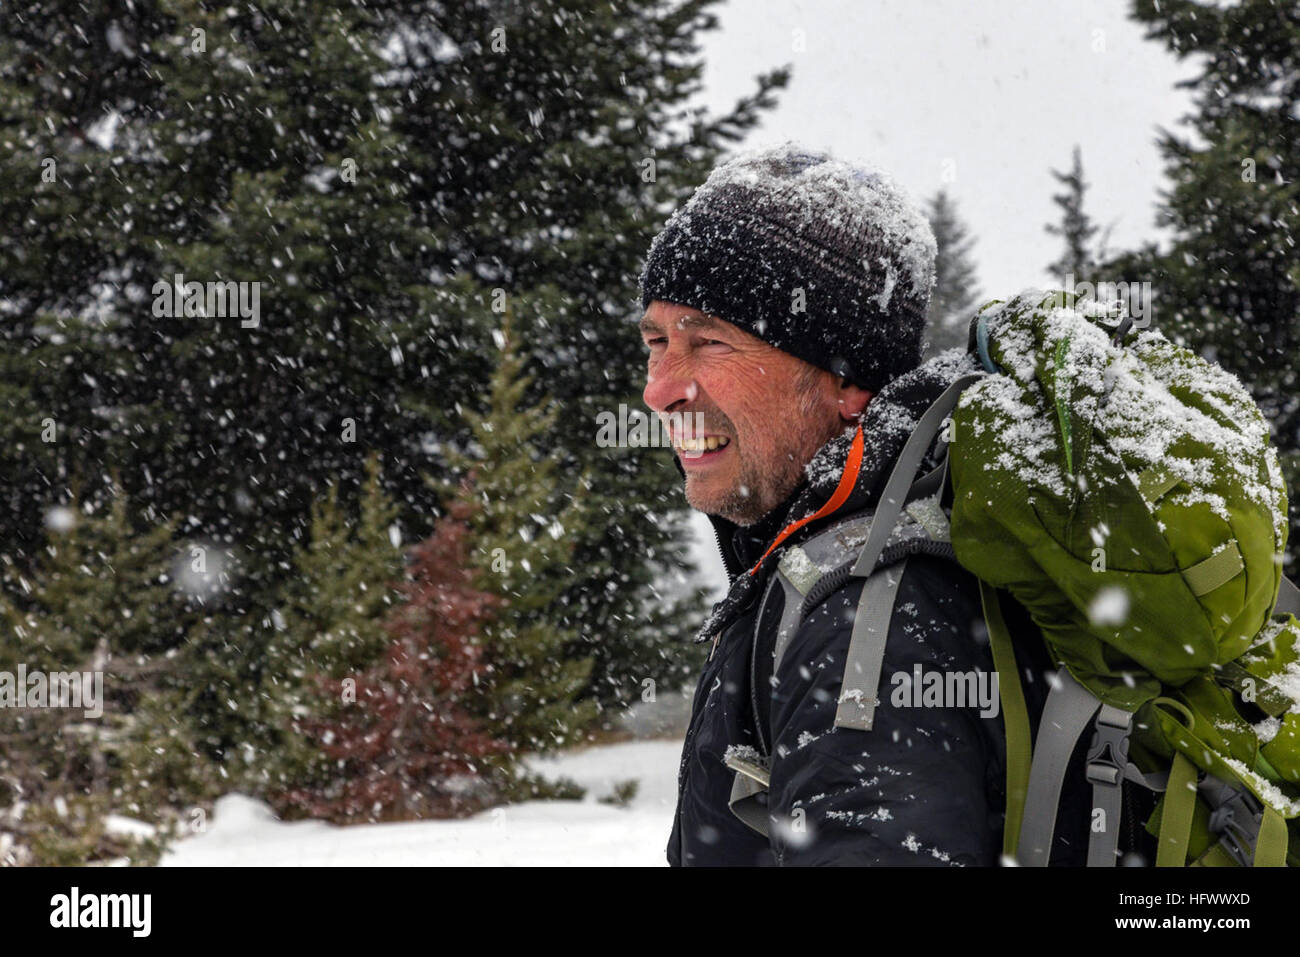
{"x": 696, "y": 447}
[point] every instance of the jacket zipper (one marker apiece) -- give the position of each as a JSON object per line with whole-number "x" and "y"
{"x": 683, "y": 770}
{"x": 753, "y": 678}
{"x": 698, "y": 704}
{"x": 727, "y": 563}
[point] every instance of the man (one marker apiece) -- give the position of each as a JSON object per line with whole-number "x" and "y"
{"x": 784, "y": 306}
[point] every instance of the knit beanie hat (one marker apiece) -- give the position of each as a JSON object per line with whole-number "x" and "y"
{"x": 830, "y": 262}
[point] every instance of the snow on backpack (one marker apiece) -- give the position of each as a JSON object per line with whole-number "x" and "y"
{"x": 1124, "y": 492}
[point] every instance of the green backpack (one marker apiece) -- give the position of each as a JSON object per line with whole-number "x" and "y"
{"x": 1124, "y": 491}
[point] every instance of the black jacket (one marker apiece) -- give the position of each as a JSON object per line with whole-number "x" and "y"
{"x": 925, "y": 786}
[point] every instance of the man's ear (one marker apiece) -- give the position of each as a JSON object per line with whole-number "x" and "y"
{"x": 853, "y": 400}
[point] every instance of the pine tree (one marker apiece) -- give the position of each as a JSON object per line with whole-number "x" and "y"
{"x": 332, "y": 627}
{"x": 404, "y": 744}
{"x": 1076, "y": 228}
{"x": 956, "y": 295}
{"x": 345, "y": 581}
{"x": 525, "y": 514}
{"x": 101, "y": 601}
{"x": 1229, "y": 283}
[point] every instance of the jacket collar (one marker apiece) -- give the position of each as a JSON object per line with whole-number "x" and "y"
{"x": 844, "y": 477}
{"x": 742, "y": 546}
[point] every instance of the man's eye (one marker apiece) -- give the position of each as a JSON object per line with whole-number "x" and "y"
{"x": 656, "y": 342}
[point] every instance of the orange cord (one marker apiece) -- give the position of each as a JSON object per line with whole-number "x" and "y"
{"x": 847, "y": 481}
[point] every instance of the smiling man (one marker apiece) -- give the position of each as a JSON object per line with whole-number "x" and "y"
{"x": 783, "y": 312}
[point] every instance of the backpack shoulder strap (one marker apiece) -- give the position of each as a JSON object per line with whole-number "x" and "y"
{"x": 866, "y": 655}
{"x": 809, "y": 572}
{"x": 1066, "y": 714}
{"x": 908, "y": 520}
{"x": 804, "y": 567}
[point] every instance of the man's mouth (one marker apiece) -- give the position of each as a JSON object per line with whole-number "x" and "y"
{"x": 698, "y": 449}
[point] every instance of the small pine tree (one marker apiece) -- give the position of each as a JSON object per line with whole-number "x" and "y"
{"x": 101, "y": 602}
{"x": 1078, "y": 259}
{"x": 346, "y": 578}
{"x": 331, "y": 628}
{"x": 403, "y": 743}
{"x": 523, "y": 523}
{"x": 956, "y": 293}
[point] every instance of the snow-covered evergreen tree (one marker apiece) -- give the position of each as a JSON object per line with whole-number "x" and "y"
{"x": 476, "y": 148}
{"x": 332, "y": 627}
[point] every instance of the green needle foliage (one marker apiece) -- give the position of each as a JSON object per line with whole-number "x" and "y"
{"x": 526, "y": 515}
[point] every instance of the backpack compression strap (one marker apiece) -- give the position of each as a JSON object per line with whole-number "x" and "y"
{"x": 1036, "y": 771}
{"x": 1069, "y": 708}
{"x": 1015, "y": 718}
{"x": 1032, "y": 804}
{"x": 1288, "y": 598}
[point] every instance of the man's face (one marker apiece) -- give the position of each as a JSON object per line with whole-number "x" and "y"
{"x": 766, "y": 411}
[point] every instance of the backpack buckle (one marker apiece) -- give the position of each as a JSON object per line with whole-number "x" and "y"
{"x": 1108, "y": 752}
{"x": 1235, "y": 819}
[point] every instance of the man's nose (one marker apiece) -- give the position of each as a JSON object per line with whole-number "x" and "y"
{"x": 669, "y": 384}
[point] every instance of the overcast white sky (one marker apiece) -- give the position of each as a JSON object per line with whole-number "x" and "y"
{"x": 995, "y": 93}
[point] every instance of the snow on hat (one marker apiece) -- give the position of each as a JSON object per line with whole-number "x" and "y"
{"x": 830, "y": 262}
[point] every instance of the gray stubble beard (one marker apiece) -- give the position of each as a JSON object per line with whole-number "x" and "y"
{"x": 766, "y": 492}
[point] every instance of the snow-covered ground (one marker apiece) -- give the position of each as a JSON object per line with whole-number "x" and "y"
{"x": 243, "y": 831}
